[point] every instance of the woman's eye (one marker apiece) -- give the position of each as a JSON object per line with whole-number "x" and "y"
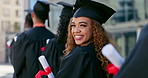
{"x": 83, "y": 25}
{"x": 72, "y": 25}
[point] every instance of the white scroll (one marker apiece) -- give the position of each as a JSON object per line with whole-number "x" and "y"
{"x": 112, "y": 55}
{"x": 45, "y": 65}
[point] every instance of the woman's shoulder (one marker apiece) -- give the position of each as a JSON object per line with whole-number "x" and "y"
{"x": 84, "y": 49}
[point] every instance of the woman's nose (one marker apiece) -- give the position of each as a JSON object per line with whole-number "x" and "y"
{"x": 76, "y": 29}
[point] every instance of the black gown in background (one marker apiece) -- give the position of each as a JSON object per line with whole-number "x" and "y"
{"x": 26, "y": 50}
{"x": 136, "y": 65}
{"x": 53, "y": 53}
{"x": 81, "y": 63}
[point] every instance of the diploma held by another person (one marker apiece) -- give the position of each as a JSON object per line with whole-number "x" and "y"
{"x": 46, "y": 67}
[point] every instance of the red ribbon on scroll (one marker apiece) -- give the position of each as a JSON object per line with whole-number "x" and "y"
{"x": 41, "y": 72}
{"x": 112, "y": 69}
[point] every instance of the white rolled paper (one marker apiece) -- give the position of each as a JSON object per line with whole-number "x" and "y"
{"x": 44, "y": 64}
{"x": 112, "y": 55}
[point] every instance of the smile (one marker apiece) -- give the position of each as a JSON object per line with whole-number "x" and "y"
{"x": 78, "y": 37}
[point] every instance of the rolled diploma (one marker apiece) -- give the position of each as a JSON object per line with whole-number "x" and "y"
{"x": 112, "y": 55}
{"x": 44, "y": 64}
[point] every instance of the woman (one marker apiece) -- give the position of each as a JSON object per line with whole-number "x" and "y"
{"x": 55, "y": 47}
{"x": 86, "y": 37}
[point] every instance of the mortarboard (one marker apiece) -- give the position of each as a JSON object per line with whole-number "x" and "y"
{"x": 28, "y": 11}
{"x": 94, "y": 10}
{"x": 67, "y": 10}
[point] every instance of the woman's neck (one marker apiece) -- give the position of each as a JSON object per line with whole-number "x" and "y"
{"x": 87, "y": 43}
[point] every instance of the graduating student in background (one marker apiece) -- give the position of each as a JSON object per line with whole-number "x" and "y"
{"x": 86, "y": 37}
{"x": 28, "y": 21}
{"x": 27, "y": 47}
{"x": 135, "y": 65}
{"x": 28, "y": 24}
{"x": 54, "y": 49}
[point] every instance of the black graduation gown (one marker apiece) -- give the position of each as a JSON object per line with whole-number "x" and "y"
{"x": 136, "y": 65}
{"x": 27, "y": 49}
{"x": 81, "y": 63}
{"x": 53, "y": 53}
{"x": 13, "y": 42}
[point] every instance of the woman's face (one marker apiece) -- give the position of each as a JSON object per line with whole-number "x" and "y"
{"x": 81, "y": 30}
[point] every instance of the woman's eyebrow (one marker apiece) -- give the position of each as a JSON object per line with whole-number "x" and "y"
{"x": 72, "y": 23}
{"x": 83, "y": 22}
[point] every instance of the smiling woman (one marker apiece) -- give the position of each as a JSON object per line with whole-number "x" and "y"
{"x": 81, "y": 30}
{"x": 86, "y": 38}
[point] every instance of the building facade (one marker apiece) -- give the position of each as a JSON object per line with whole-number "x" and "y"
{"x": 126, "y": 24}
{"x": 10, "y": 21}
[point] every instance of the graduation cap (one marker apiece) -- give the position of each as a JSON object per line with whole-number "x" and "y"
{"x": 67, "y": 10}
{"x": 28, "y": 10}
{"x": 94, "y": 10}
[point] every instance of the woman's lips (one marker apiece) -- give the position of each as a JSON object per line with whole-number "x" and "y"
{"x": 78, "y": 37}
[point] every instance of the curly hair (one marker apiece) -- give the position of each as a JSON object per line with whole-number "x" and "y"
{"x": 63, "y": 29}
{"x": 100, "y": 38}
{"x": 70, "y": 41}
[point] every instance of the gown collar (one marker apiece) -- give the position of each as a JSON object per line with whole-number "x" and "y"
{"x": 39, "y": 25}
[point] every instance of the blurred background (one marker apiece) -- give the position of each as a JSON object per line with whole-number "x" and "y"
{"x": 124, "y": 26}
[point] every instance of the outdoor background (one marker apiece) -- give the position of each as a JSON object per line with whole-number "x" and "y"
{"x": 124, "y": 26}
